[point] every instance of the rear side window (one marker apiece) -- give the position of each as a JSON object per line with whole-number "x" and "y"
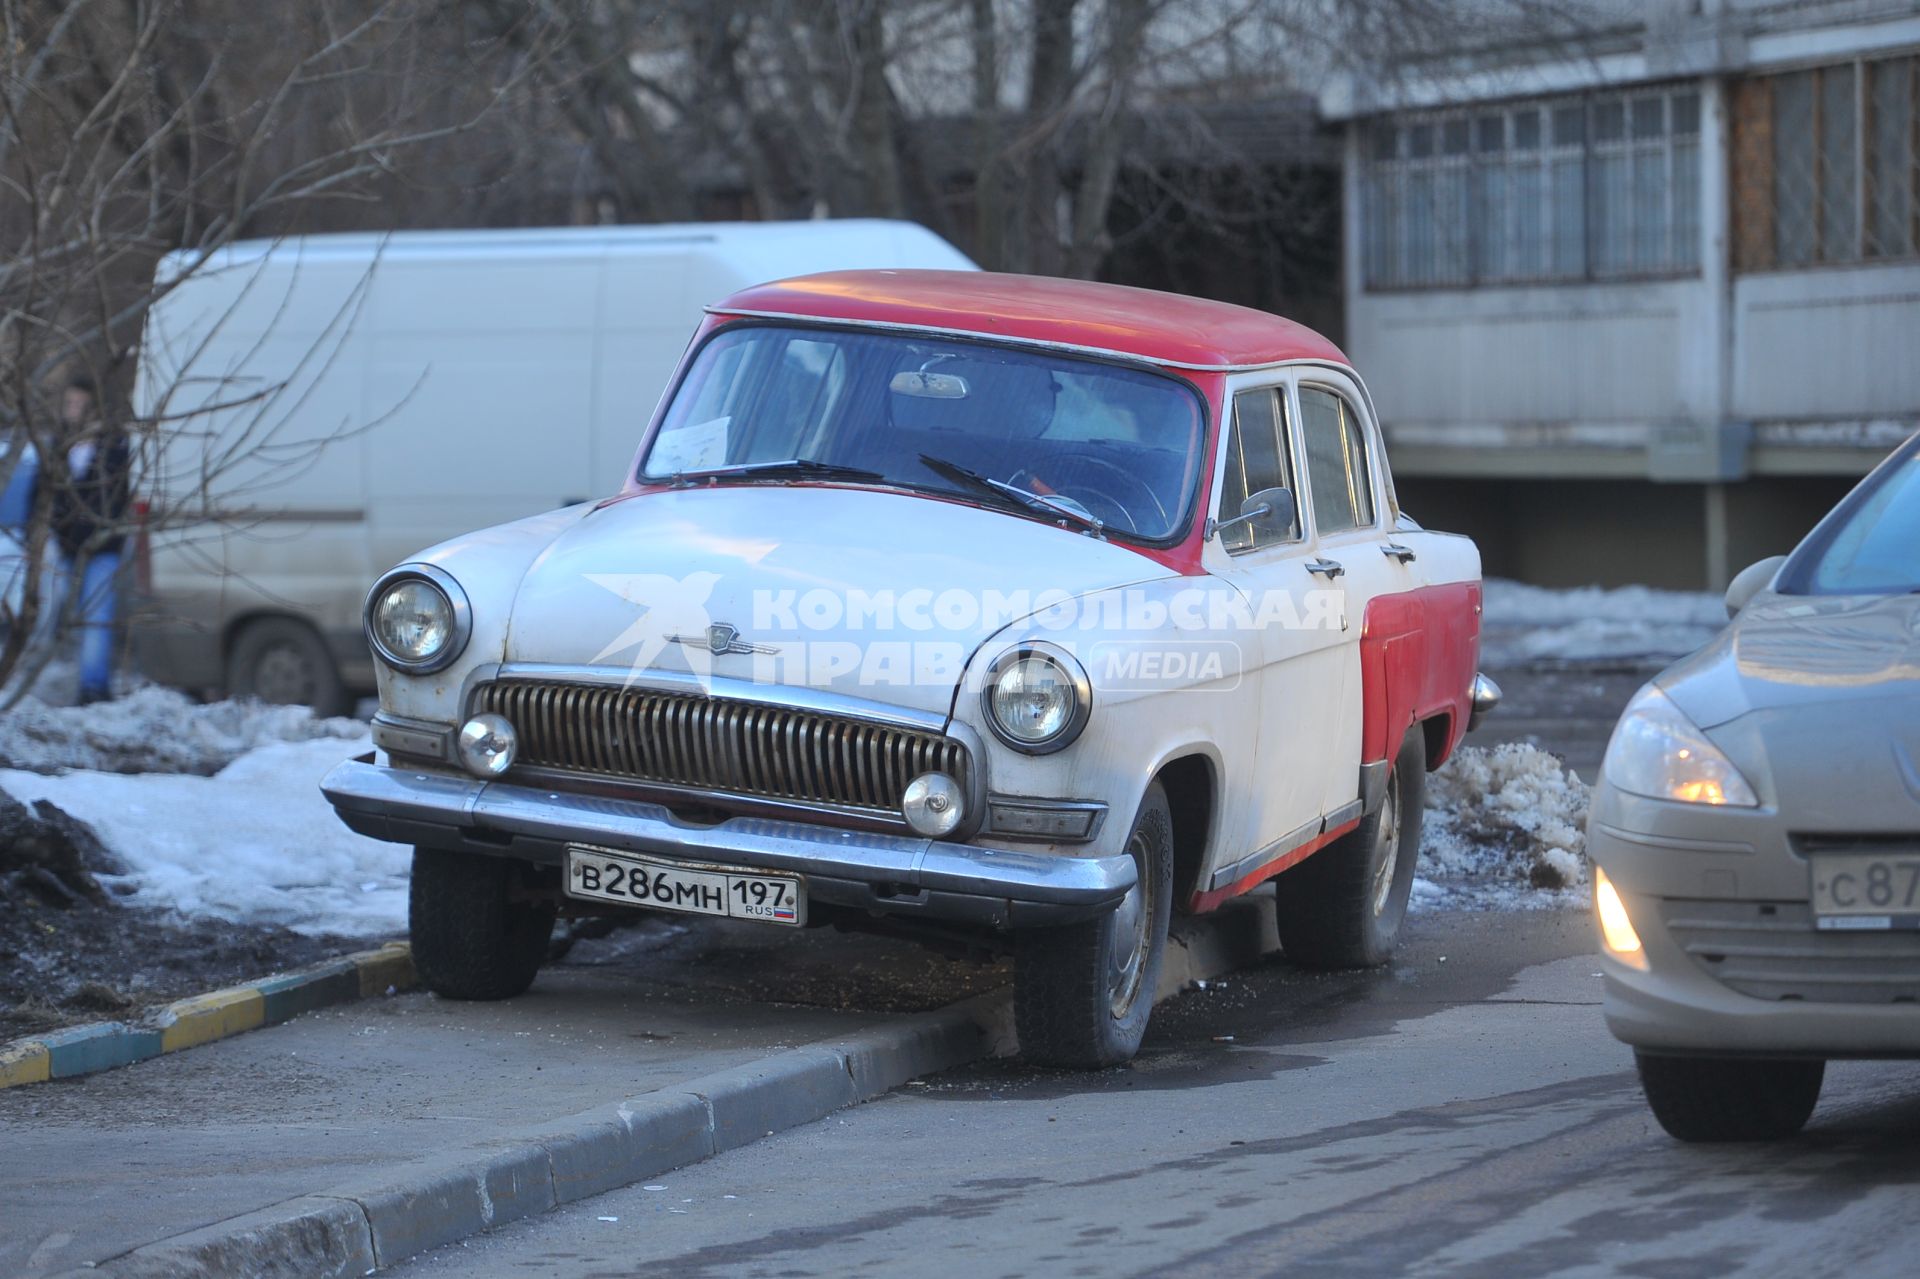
{"x": 1337, "y": 472}
{"x": 1257, "y": 458}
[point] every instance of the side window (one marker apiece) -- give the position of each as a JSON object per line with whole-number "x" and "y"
{"x": 1337, "y": 470}
{"x": 1257, "y": 458}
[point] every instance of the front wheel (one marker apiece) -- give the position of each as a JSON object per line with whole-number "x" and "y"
{"x": 1082, "y": 992}
{"x": 474, "y": 935}
{"x": 1730, "y": 1098}
{"x": 1343, "y": 906}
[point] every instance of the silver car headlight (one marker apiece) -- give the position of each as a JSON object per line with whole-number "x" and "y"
{"x": 418, "y": 619}
{"x": 1658, "y": 752}
{"x": 1037, "y": 697}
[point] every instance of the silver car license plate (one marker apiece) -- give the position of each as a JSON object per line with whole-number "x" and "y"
{"x": 598, "y": 874}
{"x": 1866, "y": 891}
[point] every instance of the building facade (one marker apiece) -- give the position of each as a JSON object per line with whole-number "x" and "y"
{"x": 1641, "y": 304}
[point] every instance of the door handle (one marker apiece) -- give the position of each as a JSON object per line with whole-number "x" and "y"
{"x": 1394, "y": 551}
{"x": 1326, "y": 568}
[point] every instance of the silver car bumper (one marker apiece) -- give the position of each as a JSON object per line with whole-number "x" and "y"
{"x": 904, "y": 875}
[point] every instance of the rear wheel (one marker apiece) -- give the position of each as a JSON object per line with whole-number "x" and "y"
{"x": 1343, "y": 906}
{"x": 1082, "y": 992}
{"x": 473, "y": 936}
{"x": 280, "y": 660}
{"x": 1730, "y": 1098}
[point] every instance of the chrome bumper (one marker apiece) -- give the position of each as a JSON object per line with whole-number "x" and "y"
{"x": 903, "y": 875}
{"x": 1484, "y": 698}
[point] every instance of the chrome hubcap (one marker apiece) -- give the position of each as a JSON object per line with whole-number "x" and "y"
{"x": 1389, "y": 844}
{"x": 1132, "y": 920}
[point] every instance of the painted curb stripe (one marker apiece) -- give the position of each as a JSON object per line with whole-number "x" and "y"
{"x": 204, "y": 1019}
{"x": 24, "y": 1061}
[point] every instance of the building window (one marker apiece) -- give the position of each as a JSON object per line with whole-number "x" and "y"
{"x": 1827, "y": 165}
{"x": 1603, "y": 186}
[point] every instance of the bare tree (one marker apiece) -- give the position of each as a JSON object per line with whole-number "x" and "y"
{"x": 131, "y": 130}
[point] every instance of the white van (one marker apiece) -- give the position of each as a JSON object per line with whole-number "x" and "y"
{"x": 330, "y": 404}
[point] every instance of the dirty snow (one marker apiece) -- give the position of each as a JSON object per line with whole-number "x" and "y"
{"x": 1505, "y": 830}
{"x": 1529, "y": 625}
{"x": 256, "y": 842}
{"x": 153, "y": 730}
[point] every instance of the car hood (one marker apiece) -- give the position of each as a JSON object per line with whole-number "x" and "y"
{"x": 1817, "y": 700}
{"x": 1794, "y": 650}
{"x": 814, "y": 577}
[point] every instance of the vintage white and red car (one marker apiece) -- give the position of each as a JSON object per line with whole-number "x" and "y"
{"x": 1018, "y": 612}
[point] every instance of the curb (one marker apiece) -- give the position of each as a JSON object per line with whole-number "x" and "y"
{"x": 202, "y": 1019}
{"x": 362, "y": 1226}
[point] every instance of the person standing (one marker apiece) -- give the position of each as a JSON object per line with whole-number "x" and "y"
{"x": 88, "y": 515}
{"x": 16, "y": 511}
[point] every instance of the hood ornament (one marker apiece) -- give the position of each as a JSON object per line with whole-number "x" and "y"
{"x": 721, "y": 639}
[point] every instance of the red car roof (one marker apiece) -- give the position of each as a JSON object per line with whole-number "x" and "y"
{"x": 1166, "y": 328}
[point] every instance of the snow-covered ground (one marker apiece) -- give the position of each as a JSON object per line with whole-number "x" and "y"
{"x": 256, "y": 842}
{"x": 1525, "y": 625}
{"x": 153, "y": 730}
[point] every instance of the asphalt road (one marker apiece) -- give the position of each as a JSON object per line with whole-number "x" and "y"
{"x": 1461, "y": 1113}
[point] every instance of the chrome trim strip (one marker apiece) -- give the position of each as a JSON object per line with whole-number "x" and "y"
{"x": 362, "y": 789}
{"x": 1279, "y": 848}
{"x": 1002, "y": 339}
{"x": 1351, "y": 811}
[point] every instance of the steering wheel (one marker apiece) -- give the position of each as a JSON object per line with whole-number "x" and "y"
{"x": 1122, "y": 513}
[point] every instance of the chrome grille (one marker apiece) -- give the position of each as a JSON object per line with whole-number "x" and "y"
{"x": 1771, "y": 950}
{"x": 688, "y": 741}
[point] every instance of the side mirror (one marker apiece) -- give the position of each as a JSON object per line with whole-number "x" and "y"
{"x": 1270, "y": 511}
{"x": 1750, "y": 581}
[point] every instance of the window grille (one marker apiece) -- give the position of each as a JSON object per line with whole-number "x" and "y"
{"x": 1569, "y": 188}
{"x": 1826, "y": 165}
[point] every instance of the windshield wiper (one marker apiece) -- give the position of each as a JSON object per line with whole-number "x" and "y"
{"x": 1037, "y": 503}
{"x": 787, "y": 468}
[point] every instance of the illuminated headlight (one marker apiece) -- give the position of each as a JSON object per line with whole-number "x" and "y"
{"x": 1658, "y": 752}
{"x": 1037, "y": 698}
{"x": 417, "y": 618}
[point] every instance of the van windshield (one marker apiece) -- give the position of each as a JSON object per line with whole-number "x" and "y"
{"x": 1119, "y": 445}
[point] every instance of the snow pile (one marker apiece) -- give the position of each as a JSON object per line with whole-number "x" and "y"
{"x": 153, "y": 730}
{"x": 255, "y": 842}
{"x": 1504, "y": 828}
{"x": 1524, "y": 625}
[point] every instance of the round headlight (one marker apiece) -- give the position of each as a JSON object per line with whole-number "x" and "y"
{"x": 417, "y": 618}
{"x": 1037, "y": 698}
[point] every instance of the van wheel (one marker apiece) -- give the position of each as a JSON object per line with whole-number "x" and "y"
{"x": 281, "y": 661}
{"x": 1082, "y": 992}
{"x": 471, "y": 939}
{"x": 1343, "y": 906}
{"x": 1730, "y": 1098}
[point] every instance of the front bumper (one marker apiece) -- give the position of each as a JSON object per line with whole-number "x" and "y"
{"x": 903, "y": 875}
{"x": 1672, "y": 864}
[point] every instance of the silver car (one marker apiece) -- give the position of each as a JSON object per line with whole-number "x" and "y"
{"x": 1755, "y": 832}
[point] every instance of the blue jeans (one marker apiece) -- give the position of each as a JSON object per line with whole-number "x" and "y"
{"x": 99, "y": 602}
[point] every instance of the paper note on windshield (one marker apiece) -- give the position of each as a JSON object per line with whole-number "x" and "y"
{"x": 697, "y": 447}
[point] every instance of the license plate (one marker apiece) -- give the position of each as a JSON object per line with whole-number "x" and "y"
{"x": 631, "y": 880}
{"x": 1866, "y": 891}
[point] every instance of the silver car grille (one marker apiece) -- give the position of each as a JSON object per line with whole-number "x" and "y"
{"x": 1771, "y": 950}
{"x": 718, "y": 745}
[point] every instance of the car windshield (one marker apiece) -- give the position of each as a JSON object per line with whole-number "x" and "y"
{"x": 1040, "y": 434}
{"x": 1874, "y": 548}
